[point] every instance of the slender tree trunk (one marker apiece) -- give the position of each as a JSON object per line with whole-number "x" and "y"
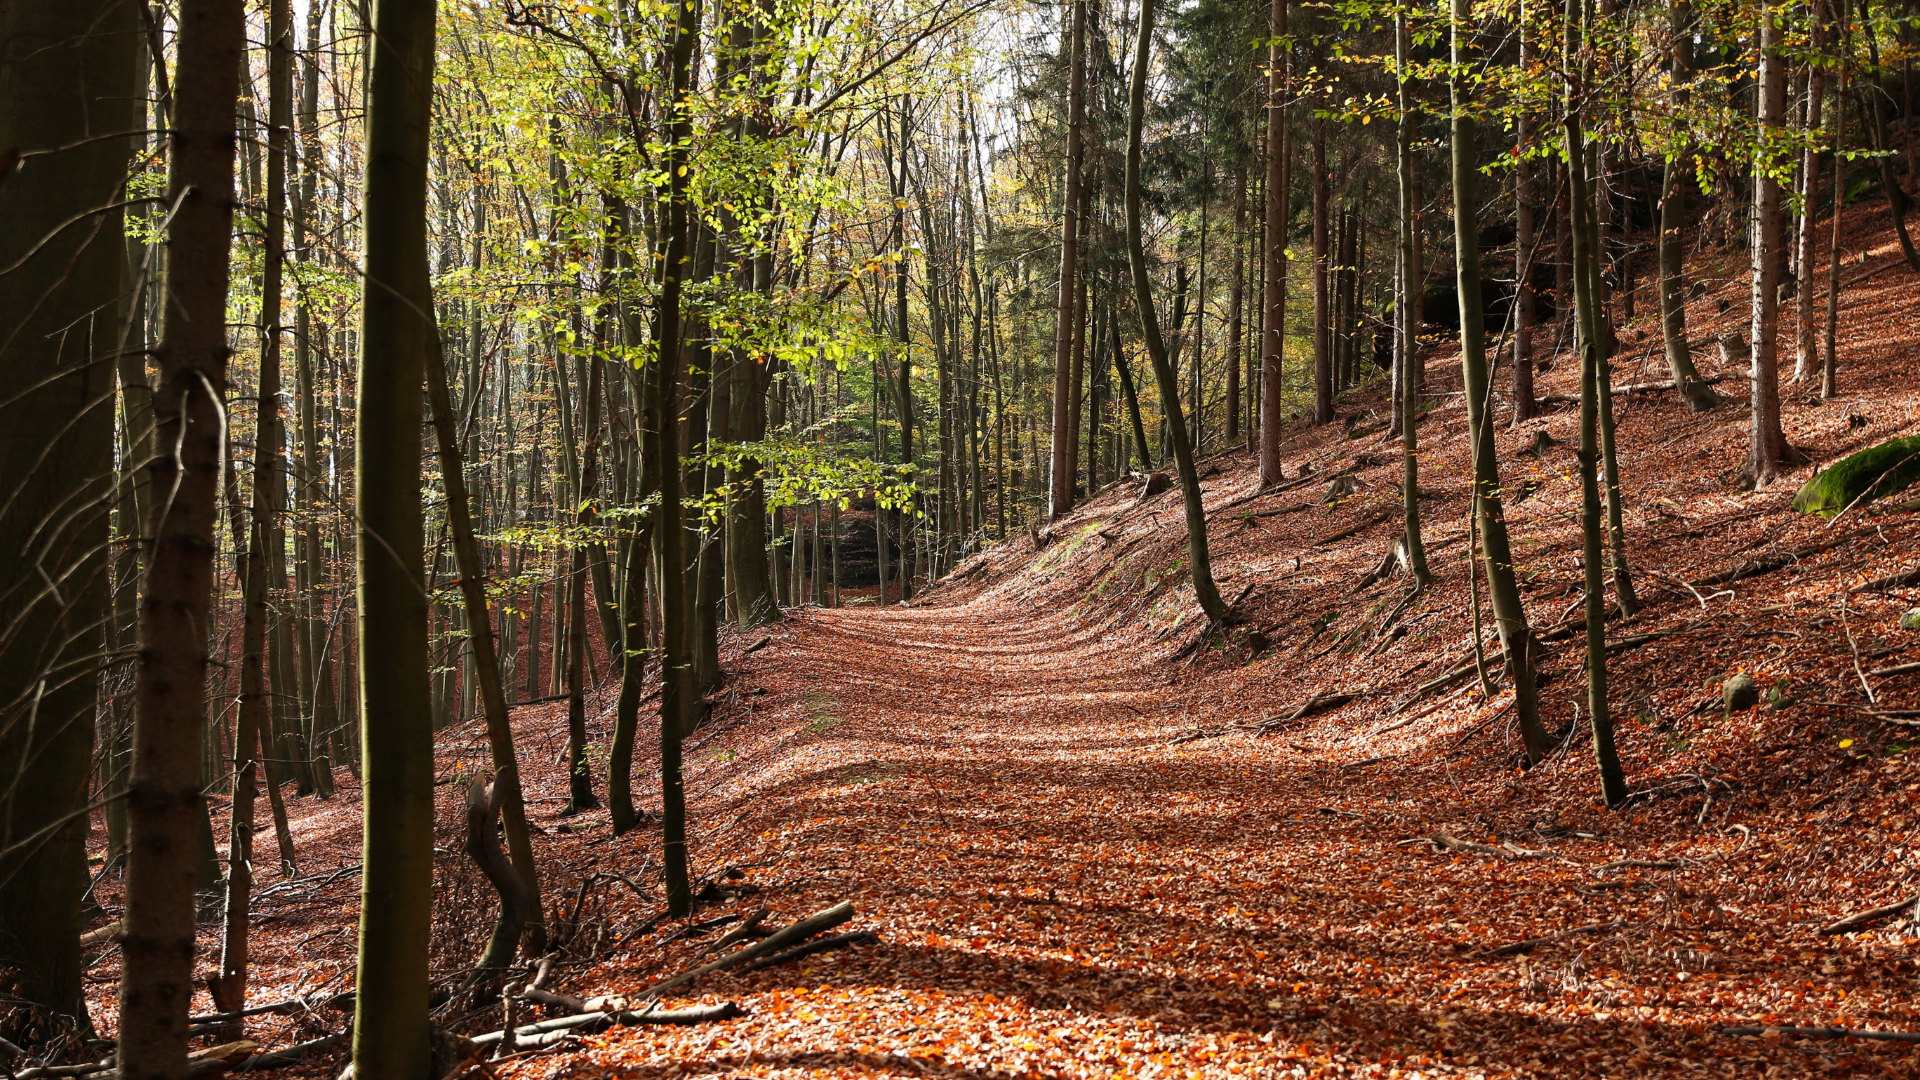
{"x": 1510, "y": 617}
{"x": 1769, "y": 453}
{"x": 1898, "y": 201}
{"x": 580, "y": 794}
{"x": 1235, "y": 297}
{"x": 1322, "y": 271}
{"x": 1673, "y": 227}
{"x": 1829, "y": 369}
{"x": 1593, "y": 373}
{"x": 485, "y": 670}
{"x": 1525, "y": 307}
{"x": 1273, "y": 306}
{"x": 676, "y": 692}
{"x": 390, "y": 1036}
{"x": 1204, "y": 589}
{"x": 902, "y": 517}
{"x": 1806, "y": 347}
{"x": 1066, "y": 308}
{"x": 1409, "y": 315}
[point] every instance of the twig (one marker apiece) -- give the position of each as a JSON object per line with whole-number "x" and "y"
{"x": 588, "y": 1023}
{"x": 838, "y": 941}
{"x": 1854, "y": 647}
{"x": 1825, "y": 1033}
{"x": 1533, "y": 943}
{"x": 1867, "y": 918}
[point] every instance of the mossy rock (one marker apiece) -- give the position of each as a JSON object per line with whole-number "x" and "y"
{"x": 1873, "y": 473}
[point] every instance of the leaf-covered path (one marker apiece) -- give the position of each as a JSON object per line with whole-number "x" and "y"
{"x": 1062, "y": 890}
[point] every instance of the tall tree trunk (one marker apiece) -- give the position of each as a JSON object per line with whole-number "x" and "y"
{"x": 1898, "y": 201}
{"x": 1829, "y": 369}
{"x": 580, "y": 794}
{"x": 1273, "y": 304}
{"x": 486, "y": 672}
{"x": 1235, "y": 297}
{"x": 1673, "y": 225}
{"x": 67, "y": 84}
{"x": 1806, "y": 348}
{"x": 676, "y": 693}
{"x": 1408, "y": 313}
{"x": 1203, "y": 587}
{"x": 390, "y": 1036}
{"x": 1588, "y": 341}
{"x": 904, "y": 402}
{"x": 1510, "y": 617}
{"x": 1066, "y": 308}
{"x": 1322, "y": 283}
{"x": 1768, "y": 455}
{"x": 1525, "y": 306}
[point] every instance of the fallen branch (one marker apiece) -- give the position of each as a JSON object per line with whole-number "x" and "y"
{"x": 1891, "y": 581}
{"x": 1627, "y": 388}
{"x": 750, "y": 928}
{"x": 1452, "y": 843}
{"x": 289, "y": 1006}
{"x": 1533, "y": 943}
{"x": 109, "y": 934}
{"x": 1867, "y": 918}
{"x": 838, "y": 941}
{"x": 291, "y": 1055}
{"x": 1641, "y": 864}
{"x": 530, "y": 1036}
{"x": 817, "y": 923}
{"x": 1768, "y": 564}
{"x": 1358, "y": 527}
{"x": 1897, "y": 669}
{"x": 757, "y": 646}
{"x": 1825, "y": 1033}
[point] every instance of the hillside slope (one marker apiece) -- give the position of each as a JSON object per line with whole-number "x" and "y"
{"x": 1093, "y": 843}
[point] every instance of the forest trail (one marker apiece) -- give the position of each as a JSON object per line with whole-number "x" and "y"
{"x": 1061, "y": 892}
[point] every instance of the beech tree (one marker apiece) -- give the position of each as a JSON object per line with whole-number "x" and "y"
{"x": 67, "y": 81}
{"x": 390, "y": 1036}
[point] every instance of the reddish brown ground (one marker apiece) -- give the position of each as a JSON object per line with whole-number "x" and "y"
{"x": 1063, "y": 887}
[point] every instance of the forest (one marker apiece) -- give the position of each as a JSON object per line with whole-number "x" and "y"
{"x": 847, "y": 538}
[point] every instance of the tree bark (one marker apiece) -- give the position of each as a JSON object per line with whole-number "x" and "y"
{"x": 1203, "y": 587}
{"x": 1588, "y": 343}
{"x": 1066, "y": 307}
{"x": 1273, "y": 306}
{"x": 1235, "y": 297}
{"x": 390, "y": 1029}
{"x": 1768, "y": 452}
{"x": 1806, "y": 348}
{"x": 1510, "y": 617}
{"x": 1409, "y": 313}
{"x": 506, "y": 792}
{"x": 1525, "y": 306}
{"x": 67, "y": 74}
{"x": 676, "y": 693}
{"x": 1322, "y": 327}
{"x": 1673, "y": 224}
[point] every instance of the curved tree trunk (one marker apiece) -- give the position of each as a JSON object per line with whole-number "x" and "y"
{"x": 1673, "y": 223}
{"x": 1510, "y": 617}
{"x": 1203, "y": 587}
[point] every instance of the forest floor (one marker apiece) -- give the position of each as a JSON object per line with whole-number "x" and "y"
{"x": 1093, "y": 844}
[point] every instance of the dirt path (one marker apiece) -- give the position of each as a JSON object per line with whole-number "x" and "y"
{"x": 1060, "y": 892}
